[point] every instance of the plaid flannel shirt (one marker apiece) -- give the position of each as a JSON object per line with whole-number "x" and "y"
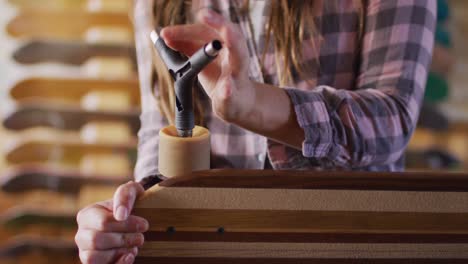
{"x": 358, "y": 103}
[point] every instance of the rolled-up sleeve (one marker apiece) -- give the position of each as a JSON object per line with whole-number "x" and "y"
{"x": 371, "y": 126}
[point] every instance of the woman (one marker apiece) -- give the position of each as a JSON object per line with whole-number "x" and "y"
{"x": 352, "y": 77}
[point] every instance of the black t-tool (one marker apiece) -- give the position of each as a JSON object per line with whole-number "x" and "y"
{"x": 184, "y": 71}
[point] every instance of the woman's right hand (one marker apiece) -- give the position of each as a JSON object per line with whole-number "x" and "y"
{"x": 107, "y": 233}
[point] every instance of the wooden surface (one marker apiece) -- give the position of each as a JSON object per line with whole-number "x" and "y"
{"x": 73, "y": 53}
{"x": 306, "y": 217}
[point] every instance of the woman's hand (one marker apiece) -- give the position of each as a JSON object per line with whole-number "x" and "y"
{"x": 226, "y": 80}
{"x": 106, "y": 231}
{"x": 260, "y": 108}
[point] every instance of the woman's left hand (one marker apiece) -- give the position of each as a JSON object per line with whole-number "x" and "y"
{"x": 226, "y": 80}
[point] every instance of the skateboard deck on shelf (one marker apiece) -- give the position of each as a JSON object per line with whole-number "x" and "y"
{"x": 245, "y": 216}
{"x": 121, "y": 6}
{"x": 49, "y": 24}
{"x": 72, "y": 53}
{"x": 54, "y": 218}
{"x": 71, "y": 91}
{"x": 23, "y": 216}
{"x": 70, "y": 153}
{"x": 32, "y": 150}
{"x": 29, "y": 177}
{"x": 64, "y": 117}
{"x": 39, "y": 250}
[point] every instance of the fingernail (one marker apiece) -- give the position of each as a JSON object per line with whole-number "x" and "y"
{"x": 121, "y": 213}
{"x": 129, "y": 258}
{"x": 142, "y": 226}
{"x": 135, "y": 251}
{"x": 136, "y": 240}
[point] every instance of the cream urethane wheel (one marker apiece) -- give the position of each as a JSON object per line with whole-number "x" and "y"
{"x": 181, "y": 155}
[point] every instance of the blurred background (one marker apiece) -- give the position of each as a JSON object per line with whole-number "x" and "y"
{"x": 69, "y": 104}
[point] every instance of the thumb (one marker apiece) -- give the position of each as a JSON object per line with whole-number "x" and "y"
{"x": 124, "y": 198}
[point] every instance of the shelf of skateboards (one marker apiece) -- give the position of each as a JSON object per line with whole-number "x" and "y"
{"x": 67, "y": 139}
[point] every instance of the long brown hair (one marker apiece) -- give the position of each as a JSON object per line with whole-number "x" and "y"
{"x": 286, "y": 27}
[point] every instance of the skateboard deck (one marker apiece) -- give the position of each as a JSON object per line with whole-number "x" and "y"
{"x": 239, "y": 216}
{"x": 71, "y": 53}
{"x": 64, "y": 117}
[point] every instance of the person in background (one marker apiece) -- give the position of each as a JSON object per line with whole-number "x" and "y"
{"x": 310, "y": 85}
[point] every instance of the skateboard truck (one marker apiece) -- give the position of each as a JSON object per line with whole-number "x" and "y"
{"x": 184, "y": 71}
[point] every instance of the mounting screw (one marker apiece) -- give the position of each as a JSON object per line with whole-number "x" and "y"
{"x": 221, "y": 230}
{"x": 170, "y": 229}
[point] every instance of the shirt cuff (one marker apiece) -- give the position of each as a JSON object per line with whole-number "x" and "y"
{"x": 313, "y": 117}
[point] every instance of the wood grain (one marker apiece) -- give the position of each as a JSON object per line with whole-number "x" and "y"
{"x": 193, "y": 260}
{"x": 284, "y": 221}
{"x": 302, "y": 250}
{"x": 337, "y": 180}
{"x": 317, "y": 237}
